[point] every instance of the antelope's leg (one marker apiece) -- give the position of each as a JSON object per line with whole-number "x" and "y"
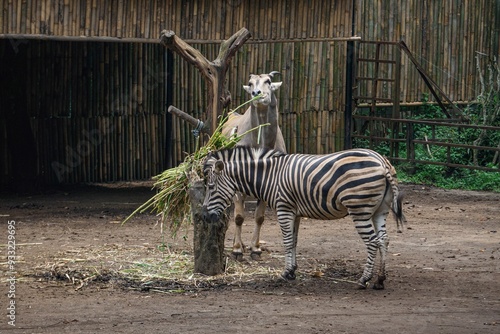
{"x": 255, "y": 248}
{"x": 239, "y": 218}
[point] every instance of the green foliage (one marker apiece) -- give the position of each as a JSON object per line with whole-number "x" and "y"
{"x": 448, "y": 177}
{"x": 444, "y": 177}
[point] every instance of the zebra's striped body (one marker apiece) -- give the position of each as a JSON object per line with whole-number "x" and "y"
{"x": 360, "y": 183}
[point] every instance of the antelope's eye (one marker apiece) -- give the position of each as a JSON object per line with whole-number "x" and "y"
{"x": 268, "y": 81}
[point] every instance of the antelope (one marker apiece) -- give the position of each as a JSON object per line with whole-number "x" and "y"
{"x": 261, "y": 111}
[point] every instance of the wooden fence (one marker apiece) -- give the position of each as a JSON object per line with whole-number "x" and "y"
{"x": 403, "y": 145}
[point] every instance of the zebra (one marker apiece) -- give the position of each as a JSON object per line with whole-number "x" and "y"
{"x": 357, "y": 182}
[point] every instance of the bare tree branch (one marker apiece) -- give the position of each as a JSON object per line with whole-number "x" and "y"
{"x": 194, "y": 57}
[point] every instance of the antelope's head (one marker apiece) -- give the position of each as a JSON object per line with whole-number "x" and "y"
{"x": 262, "y": 84}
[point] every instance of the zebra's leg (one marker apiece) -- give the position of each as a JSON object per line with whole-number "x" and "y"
{"x": 296, "y": 231}
{"x": 239, "y": 218}
{"x": 296, "y": 226}
{"x": 379, "y": 223}
{"x": 383, "y": 244}
{"x": 367, "y": 233}
{"x": 289, "y": 225}
{"x": 260, "y": 211}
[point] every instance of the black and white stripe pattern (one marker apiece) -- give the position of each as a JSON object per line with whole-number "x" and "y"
{"x": 358, "y": 182}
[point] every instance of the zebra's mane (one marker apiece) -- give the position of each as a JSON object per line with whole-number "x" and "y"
{"x": 253, "y": 153}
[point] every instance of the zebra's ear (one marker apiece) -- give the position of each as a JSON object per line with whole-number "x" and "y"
{"x": 219, "y": 166}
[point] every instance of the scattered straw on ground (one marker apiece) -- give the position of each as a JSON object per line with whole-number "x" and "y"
{"x": 145, "y": 267}
{"x": 138, "y": 267}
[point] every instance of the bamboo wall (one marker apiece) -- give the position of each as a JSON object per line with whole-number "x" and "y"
{"x": 444, "y": 36}
{"x": 192, "y": 19}
{"x": 104, "y": 89}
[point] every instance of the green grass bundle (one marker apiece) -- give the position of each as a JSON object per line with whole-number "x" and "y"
{"x": 171, "y": 201}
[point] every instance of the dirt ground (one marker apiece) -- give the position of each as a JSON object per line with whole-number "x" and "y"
{"x": 72, "y": 255}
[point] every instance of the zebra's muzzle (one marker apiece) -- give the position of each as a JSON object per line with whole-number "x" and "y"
{"x": 210, "y": 216}
{"x": 213, "y": 217}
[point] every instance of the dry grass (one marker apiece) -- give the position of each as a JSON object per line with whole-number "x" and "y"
{"x": 141, "y": 267}
{"x": 145, "y": 267}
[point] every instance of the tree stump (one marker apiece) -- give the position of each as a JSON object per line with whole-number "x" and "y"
{"x": 208, "y": 240}
{"x": 209, "y": 258}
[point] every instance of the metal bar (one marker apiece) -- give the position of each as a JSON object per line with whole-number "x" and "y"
{"x": 190, "y": 119}
{"x": 380, "y": 42}
{"x": 402, "y": 120}
{"x": 396, "y": 98}
{"x": 350, "y": 84}
{"x": 397, "y": 140}
{"x": 439, "y": 143}
{"x": 157, "y": 41}
{"x": 431, "y": 142}
{"x": 371, "y": 78}
{"x": 349, "y": 87}
{"x": 374, "y": 91}
{"x": 410, "y": 144}
{"x": 371, "y": 98}
{"x": 382, "y": 61}
{"x": 302, "y": 40}
{"x": 412, "y": 104}
{"x": 169, "y": 95}
{"x": 428, "y": 162}
{"x": 78, "y": 38}
{"x": 430, "y": 83}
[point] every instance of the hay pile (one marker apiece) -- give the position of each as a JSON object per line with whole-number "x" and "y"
{"x": 142, "y": 267}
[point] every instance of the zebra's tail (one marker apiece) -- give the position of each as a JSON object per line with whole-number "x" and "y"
{"x": 397, "y": 200}
{"x": 397, "y": 209}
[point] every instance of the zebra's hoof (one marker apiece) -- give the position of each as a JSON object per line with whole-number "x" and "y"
{"x": 288, "y": 275}
{"x": 238, "y": 256}
{"x": 379, "y": 285}
{"x": 255, "y": 255}
{"x": 362, "y": 284}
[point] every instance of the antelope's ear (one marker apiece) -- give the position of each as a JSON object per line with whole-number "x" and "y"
{"x": 275, "y": 85}
{"x": 248, "y": 89}
{"x": 219, "y": 166}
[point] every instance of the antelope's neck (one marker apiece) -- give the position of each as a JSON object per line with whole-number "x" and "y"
{"x": 266, "y": 136}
